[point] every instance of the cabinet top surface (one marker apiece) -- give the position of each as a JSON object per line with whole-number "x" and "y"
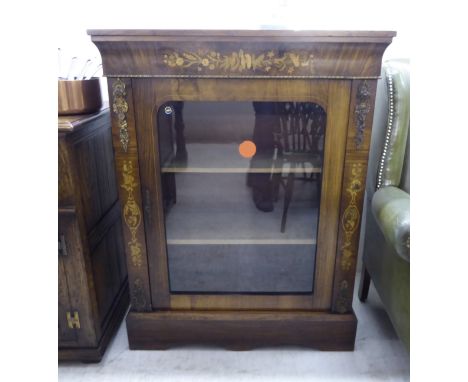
{"x": 70, "y": 123}
{"x": 261, "y": 33}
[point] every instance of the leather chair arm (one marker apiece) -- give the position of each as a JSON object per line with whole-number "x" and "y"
{"x": 391, "y": 209}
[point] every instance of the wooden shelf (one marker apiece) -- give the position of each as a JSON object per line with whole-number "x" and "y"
{"x": 225, "y": 158}
{"x": 241, "y": 241}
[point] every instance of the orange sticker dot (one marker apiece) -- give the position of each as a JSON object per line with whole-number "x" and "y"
{"x": 247, "y": 149}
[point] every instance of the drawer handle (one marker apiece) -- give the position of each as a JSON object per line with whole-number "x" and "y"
{"x": 62, "y": 246}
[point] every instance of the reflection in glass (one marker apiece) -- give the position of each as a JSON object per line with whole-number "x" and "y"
{"x": 241, "y": 189}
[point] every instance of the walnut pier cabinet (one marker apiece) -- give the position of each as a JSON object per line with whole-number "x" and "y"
{"x": 241, "y": 161}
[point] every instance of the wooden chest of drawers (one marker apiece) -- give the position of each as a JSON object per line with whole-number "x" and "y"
{"x": 92, "y": 274}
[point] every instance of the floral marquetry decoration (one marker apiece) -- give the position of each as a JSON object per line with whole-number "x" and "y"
{"x": 361, "y": 110}
{"x": 131, "y": 212}
{"x": 120, "y": 108}
{"x": 241, "y": 61}
{"x": 351, "y": 216}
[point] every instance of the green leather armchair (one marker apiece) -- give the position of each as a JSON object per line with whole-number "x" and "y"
{"x": 386, "y": 247}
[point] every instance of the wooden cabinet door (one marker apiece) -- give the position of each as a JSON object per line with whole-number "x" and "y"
{"x": 240, "y": 211}
{"x": 75, "y": 322}
{"x": 65, "y": 334}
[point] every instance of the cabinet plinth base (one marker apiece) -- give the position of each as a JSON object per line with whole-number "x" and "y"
{"x": 241, "y": 330}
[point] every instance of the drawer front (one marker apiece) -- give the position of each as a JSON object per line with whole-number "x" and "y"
{"x": 75, "y": 322}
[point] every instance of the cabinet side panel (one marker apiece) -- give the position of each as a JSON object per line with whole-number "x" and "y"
{"x": 96, "y": 174}
{"x": 76, "y": 266}
{"x": 104, "y": 271}
{"x": 66, "y": 187}
{"x": 105, "y": 168}
{"x": 352, "y": 192}
{"x": 87, "y": 181}
{"x": 129, "y": 188}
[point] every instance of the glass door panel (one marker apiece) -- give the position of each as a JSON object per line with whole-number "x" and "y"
{"x": 241, "y": 188}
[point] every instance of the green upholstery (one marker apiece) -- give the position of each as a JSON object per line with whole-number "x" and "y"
{"x": 391, "y": 208}
{"x": 391, "y": 277}
{"x": 386, "y": 252}
{"x": 391, "y": 165}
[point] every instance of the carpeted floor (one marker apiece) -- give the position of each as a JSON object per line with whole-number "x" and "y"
{"x": 379, "y": 356}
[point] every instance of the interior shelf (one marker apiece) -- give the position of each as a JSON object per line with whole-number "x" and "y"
{"x": 225, "y": 158}
{"x": 241, "y": 241}
{"x": 206, "y": 214}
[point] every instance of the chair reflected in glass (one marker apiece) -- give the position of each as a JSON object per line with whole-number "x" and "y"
{"x": 291, "y": 136}
{"x": 226, "y": 236}
{"x": 288, "y": 139}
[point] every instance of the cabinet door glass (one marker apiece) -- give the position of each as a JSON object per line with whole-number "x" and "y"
{"x": 241, "y": 188}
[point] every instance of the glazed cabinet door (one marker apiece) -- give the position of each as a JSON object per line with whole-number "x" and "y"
{"x": 241, "y": 182}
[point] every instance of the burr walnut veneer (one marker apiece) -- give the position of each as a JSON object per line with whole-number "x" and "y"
{"x": 241, "y": 159}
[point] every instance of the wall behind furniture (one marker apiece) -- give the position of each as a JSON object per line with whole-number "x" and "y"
{"x": 238, "y": 14}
